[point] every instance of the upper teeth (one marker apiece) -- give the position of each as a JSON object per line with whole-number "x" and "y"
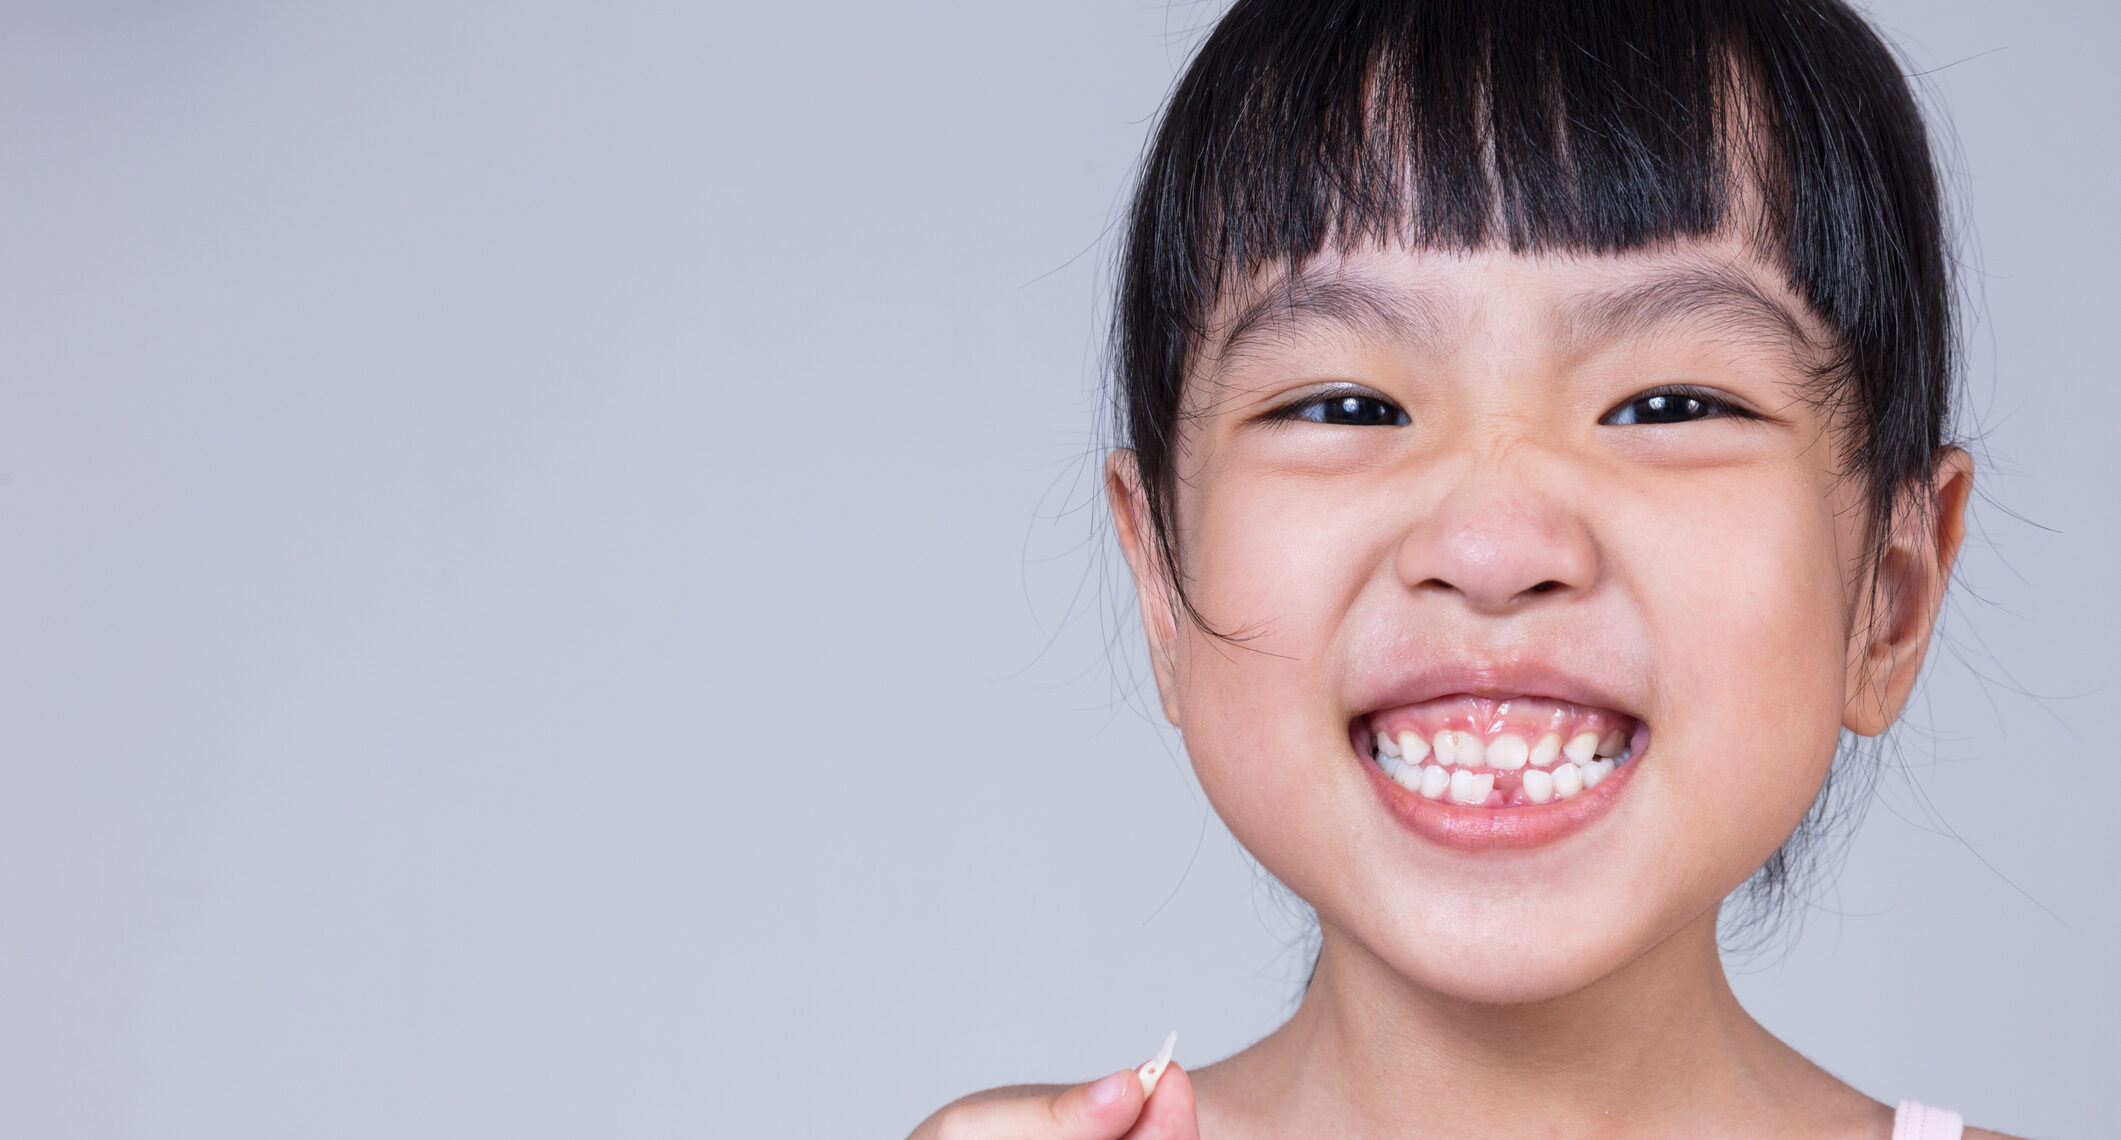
{"x": 1508, "y": 752}
{"x": 1456, "y": 763}
{"x": 1461, "y": 748}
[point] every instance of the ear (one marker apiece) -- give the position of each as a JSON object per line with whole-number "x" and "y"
{"x": 1152, "y": 580}
{"x": 1900, "y": 612}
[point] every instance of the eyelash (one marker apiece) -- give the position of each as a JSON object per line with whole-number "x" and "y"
{"x": 1364, "y": 407}
{"x": 1691, "y": 404}
{"x": 1683, "y": 403}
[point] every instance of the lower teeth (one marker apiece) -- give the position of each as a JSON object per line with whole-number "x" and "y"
{"x": 1535, "y": 786}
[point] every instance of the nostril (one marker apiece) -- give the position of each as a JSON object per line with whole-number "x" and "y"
{"x": 1549, "y": 586}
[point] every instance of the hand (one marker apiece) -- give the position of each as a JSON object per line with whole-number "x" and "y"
{"x": 1109, "y": 1108}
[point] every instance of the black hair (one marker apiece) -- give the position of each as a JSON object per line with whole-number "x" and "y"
{"x": 1538, "y": 126}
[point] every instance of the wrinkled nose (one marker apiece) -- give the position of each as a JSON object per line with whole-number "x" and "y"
{"x": 1500, "y": 544}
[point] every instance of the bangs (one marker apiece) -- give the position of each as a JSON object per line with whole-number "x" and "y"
{"x": 1536, "y": 127}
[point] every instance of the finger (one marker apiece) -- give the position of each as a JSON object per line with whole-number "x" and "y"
{"x": 1105, "y": 1108}
{"x": 1102, "y": 1110}
{"x": 1170, "y": 1114}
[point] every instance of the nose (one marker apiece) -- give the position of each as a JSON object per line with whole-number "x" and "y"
{"x": 1501, "y": 541}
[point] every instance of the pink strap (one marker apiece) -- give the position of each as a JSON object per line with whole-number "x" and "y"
{"x": 1921, "y": 1122}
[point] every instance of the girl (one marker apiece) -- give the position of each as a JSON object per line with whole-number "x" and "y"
{"x": 1535, "y": 466}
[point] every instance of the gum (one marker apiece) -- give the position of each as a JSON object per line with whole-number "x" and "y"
{"x": 1491, "y": 717}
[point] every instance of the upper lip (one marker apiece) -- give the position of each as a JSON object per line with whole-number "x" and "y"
{"x": 1446, "y": 675}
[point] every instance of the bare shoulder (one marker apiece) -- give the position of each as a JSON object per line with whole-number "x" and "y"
{"x": 1985, "y": 1134}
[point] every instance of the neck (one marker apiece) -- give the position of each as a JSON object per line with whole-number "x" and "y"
{"x": 1657, "y": 1047}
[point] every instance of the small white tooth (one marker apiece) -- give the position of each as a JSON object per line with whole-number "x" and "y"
{"x": 1462, "y": 783}
{"x": 1471, "y": 751}
{"x": 1614, "y": 744}
{"x": 1386, "y": 746}
{"x": 1581, "y": 747}
{"x": 1408, "y": 775}
{"x": 1483, "y": 784}
{"x": 1544, "y": 752}
{"x": 1507, "y": 752}
{"x": 1413, "y": 747}
{"x": 1153, "y": 1071}
{"x": 1568, "y": 780}
{"x": 1434, "y": 779}
{"x": 1538, "y": 786}
{"x": 1595, "y": 771}
{"x": 1389, "y": 764}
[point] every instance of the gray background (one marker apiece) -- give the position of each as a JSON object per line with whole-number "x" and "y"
{"x": 540, "y": 552}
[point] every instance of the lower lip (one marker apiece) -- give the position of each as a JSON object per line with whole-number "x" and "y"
{"x": 1492, "y": 829}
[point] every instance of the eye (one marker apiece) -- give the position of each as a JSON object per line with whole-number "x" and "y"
{"x": 1671, "y": 406}
{"x": 1348, "y": 409}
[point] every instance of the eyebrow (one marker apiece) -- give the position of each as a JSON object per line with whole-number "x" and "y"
{"x": 1330, "y": 299}
{"x": 1721, "y": 298}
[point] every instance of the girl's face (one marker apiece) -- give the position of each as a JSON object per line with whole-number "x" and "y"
{"x": 1497, "y": 504}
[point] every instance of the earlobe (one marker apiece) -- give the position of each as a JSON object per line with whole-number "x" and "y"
{"x": 1152, "y": 586}
{"x": 1907, "y": 595}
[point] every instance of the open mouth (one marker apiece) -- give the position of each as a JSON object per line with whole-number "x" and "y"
{"x": 1498, "y": 753}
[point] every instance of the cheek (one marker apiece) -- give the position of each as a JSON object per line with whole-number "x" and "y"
{"x": 1745, "y": 608}
{"x": 1276, "y": 567}
{"x": 1276, "y": 561}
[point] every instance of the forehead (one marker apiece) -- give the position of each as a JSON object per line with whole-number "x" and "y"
{"x": 1713, "y": 290}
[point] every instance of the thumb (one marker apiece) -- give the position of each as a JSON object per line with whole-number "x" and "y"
{"x": 1170, "y": 1114}
{"x": 1102, "y": 1109}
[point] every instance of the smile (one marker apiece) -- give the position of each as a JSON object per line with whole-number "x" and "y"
{"x": 1489, "y": 770}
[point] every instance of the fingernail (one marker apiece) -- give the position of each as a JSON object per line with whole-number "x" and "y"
{"x": 1109, "y": 1089}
